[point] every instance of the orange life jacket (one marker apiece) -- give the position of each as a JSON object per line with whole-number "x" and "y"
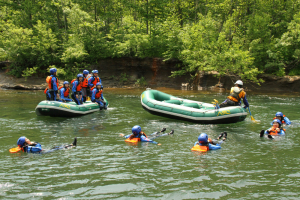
{"x": 96, "y": 80}
{"x": 274, "y": 131}
{"x": 73, "y": 80}
{"x": 67, "y": 91}
{"x": 85, "y": 82}
{"x": 49, "y": 80}
{"x": 79, "y": 87}
{"x": 98, "y": 95}
{"x": 133, "y": 140}
{"x": 45, "y": 91}
{"x": 197, "y": 147}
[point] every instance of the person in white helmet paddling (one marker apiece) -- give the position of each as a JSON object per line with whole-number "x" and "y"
{"x": 236, "y": 94}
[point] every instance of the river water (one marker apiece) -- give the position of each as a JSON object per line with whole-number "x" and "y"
{"x": 103, "y": 166}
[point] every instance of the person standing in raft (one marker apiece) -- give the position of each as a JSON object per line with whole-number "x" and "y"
{"x": 85, "y": 85}
{"x": 93, "y": 80}
{"x": 142, "y": 137}
{"x": 52, "y": 90}
{"x": 204, "y": 143}
{"x": 97, "y": 96}
{"x": 284, "y": 120}
{"x": 25, "y": 145}
{"x": 76, "y": 89}
{"x": 64, "y": 92}
{"x": 275, "y": 130}
{"x": 236, "y": 94}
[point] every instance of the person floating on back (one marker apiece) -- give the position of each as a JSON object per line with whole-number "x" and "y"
{"x": 76, "y": 89}
{"x": 139, "y": 136}
{"x": 275, "y": 130}
{"x": 97, "y": 96}
{"x": 25, "y": 145}
{"x": 85, "y": 85}
{"x": 94, "y": 79}
{"x": 205, "y": 144}
{"x": 236, "y": 94}
{"x": 52, "y": 90}
{"x": 64, "y": 92}
{"x": 284, "y": 120}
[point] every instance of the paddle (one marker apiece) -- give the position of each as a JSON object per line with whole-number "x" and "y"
{"x": 216, "y": 104}
{"x": 15, "y": 150}
{"x": 252, "y": 118}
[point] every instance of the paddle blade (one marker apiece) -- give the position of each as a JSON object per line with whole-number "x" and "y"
{"x": 15, "y": 150}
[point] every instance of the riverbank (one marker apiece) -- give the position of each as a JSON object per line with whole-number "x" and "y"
{"x": 154, "y": 72}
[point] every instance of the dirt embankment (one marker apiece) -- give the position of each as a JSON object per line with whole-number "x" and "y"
{"x": 154, "y": 72}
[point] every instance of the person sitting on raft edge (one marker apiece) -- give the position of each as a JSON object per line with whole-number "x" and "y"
{"x": 97, "y": 96}
{"x": 274, "y": 130}
{"x": 236, "y": 94}
{"x": 138, "y": 133}
{"x": 284, "y": 120}
{"x": 64, "y": 92}
{"x": 204, "y": 143}
{"x": 76, "y": 89}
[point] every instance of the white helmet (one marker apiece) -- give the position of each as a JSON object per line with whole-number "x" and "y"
{"x": 239, "y": 82}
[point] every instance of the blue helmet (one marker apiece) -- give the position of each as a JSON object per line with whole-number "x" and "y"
{"x": 79, "y": 75}
{"x": 98, "y": 84}
{"x": 21, "y": 141}
{"x": 136, "y": 129}
{"x": 86, "y": 72}
{"x": 203, "y": 138}
{"x": 66, "y": 82}
{"x": 279, "y": 114}
{"x": 53, "y": 70}
{"x": 278, "y": 121}
{"x": 95, "y": 71}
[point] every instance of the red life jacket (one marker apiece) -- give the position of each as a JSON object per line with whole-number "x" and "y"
{"x": 85, "y": 82}
{"x": 67, "y": 91}
{"x": 73, "y": 80}
{"x": 45, "y": 91}
{"x": 96, "y": 80}
{"x": 98, "y": 95}
{"x": 49, "y": 80}
{"x": 79, "y": 87}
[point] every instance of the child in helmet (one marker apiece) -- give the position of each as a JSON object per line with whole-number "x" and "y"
{"x": 274, "y": 130}
{"x": 64, "y": 92}
{"x": 27, "y": 146}
{"x": 97, "y": 96}
{"x": 93, "y": 80}
{"x": 204, "y": 143}
{"x": 85, "y": 85}
{"x": 284, "y": 120}
{"x": 76, "y": 89}
{"x": 236, "y": 94}
{"x": 52, "y": 90}
{"x": 138, "y": 133}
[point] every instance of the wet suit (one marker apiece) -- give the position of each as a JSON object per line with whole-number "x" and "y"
{"x": 142, "y": 137}
{"x": 97, "y": 97}
{"x": 273, "y": 132}
{"x": 284, "y": 121}
{"x": 63, "y": 93}
{"x": 76, "y": 89}
{"x": 234, "y": 98}
{"x": 52, "y": 93}
{"x": 210, "y": 145}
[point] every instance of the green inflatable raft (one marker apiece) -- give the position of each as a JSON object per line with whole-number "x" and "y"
{"x": 70, "y": 109}
{"x": 162, "y": 104}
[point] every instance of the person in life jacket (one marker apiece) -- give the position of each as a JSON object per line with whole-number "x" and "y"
{"x": 97, "y": 96}
{"x": 206, "y": 143}
{"x": 275, "y": 129}
{"x": 64, "y": 92}
{"x": 85, "y": 85}
{"x": 284, "y": 120}
{"x": 52, "y": 90}
{"x": 27, "y": 146}
{"x": 138, "y": 133}
{"x": 76, "y": 89}
{"x": 236, "y": 94}
{"x": 93, "y": 80}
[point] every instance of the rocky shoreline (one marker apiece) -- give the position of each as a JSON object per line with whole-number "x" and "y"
{"x": 155, "y": 72}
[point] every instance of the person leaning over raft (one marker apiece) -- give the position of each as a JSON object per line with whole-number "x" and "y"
{"x": 85, "y": 85}
{"x": 236, "y": 94}
{"x": 76, "y": 89}
{"x": 97, "y": 96}
{"x": 52, "y": 90}
{"x": 138, "y": 133}
{"x": 204, "y": 143}
{"x": 64, "y": 92}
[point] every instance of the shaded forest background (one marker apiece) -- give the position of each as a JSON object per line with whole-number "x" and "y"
{"x": 243, "y": 37}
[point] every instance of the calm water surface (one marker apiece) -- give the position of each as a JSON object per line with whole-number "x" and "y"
{"x": 103, "y": 166}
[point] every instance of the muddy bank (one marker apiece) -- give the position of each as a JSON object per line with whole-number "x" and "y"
{"x": 154, "y": 72}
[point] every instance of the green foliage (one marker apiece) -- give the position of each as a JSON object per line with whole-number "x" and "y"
{"x": 123, "y": 78}
{"x": 67, "y": 74}
{"x": 29, "y": 72}
{"x": 141, "y": 82}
